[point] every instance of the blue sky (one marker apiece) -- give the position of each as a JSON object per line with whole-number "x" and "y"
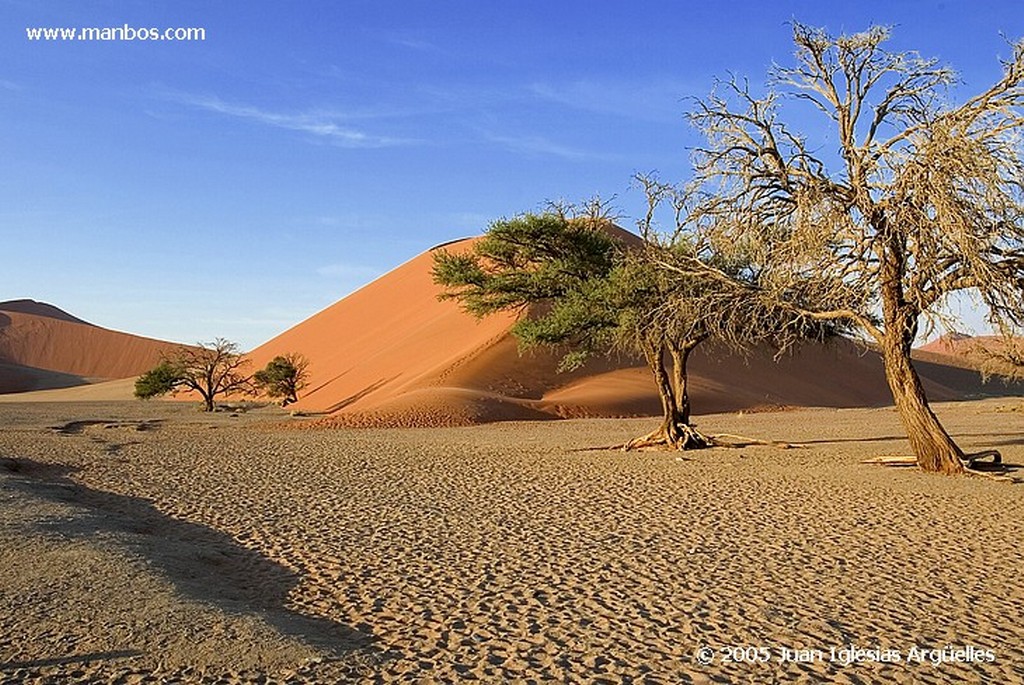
{"x": 235, "y": 186}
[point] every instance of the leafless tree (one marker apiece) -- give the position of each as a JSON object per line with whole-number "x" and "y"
{"x": 903, "y": 201}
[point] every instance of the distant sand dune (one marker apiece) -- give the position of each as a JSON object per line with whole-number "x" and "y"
{"x": 965, "y": 351}
{"x": 43, "y": 347}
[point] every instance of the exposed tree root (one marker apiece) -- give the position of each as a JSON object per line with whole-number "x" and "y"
{"x": 970, "y": 459}
{"x": 686, "y": 437}
{"x": 677, "y": 437}
{"x": 1000, "y": 476}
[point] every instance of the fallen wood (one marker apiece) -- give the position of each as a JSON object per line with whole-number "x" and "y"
{"x": 731, "y": 440}
{"x": 895, "y": 460}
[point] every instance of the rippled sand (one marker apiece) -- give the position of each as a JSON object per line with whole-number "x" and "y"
{"x": 150, "y": 543}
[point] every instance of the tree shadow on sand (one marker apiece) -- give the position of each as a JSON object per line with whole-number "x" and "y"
{"x": 1008, "y": 438}
{"x": 204, "y": 564}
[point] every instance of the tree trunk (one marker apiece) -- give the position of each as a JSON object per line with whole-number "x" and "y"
{"x": 675, "y": 430}
{"x": 932, "y": 445}
{"x": 680, "y": 356}
{"x": 934, "y": 449}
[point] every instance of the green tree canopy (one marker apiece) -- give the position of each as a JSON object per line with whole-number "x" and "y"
{"x": 585, "y": 286}
{"x": 284, "y": 376}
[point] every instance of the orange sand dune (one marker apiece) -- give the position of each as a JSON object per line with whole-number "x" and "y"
{"x": 950, "y": 343}
{"x": 964, "y": 346}
{"x": 393, "y": 354}
{"x": 388, "y": 338}
{"x": 969, "y": 352}
{"x": 44, "y": 347}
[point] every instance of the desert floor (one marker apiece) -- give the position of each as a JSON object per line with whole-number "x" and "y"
{"x": 146, "y": 542}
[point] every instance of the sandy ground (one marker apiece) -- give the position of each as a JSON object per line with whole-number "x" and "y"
{"x": 145, "y": 543}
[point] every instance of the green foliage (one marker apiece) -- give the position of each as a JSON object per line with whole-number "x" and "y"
{"x": 584, "y": 292}
{"x": 160, "y": 380}
{"x": 554, "y": 266}
{"x": 528, "y": 259}
{"x": 284, "y": 376}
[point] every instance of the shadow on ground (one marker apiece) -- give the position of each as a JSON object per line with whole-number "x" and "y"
{"x": 73, "y": 659}
{"x": 204, "y": 564}
{"x": 1008, "y": 438}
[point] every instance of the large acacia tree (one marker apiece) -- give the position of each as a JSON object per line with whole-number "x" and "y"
{"x": 587, "y": 287}
{"x": 575, "y": 280}
{"x": 897, "y": 202}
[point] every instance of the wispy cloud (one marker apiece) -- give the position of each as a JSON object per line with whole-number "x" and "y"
{"x": 9, "y": 85}
{"x": 541, "y": 146}
{"x": 326, "y": 125}
{"x": 656, "y": 100}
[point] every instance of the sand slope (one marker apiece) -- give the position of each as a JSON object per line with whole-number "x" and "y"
{"x": 117, "y": 390}
{"x": 44, "y": 347}
{"x": 393, "y": 354}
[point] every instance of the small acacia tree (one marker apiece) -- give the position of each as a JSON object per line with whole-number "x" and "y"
{"x": 210, "y": 369}
{"x": 283, "y": 376}
{"x": 922, "y": 201}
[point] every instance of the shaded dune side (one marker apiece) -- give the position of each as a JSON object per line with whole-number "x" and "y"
{"x": 40, "y": 351}
{"x": 17, "y": 378}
